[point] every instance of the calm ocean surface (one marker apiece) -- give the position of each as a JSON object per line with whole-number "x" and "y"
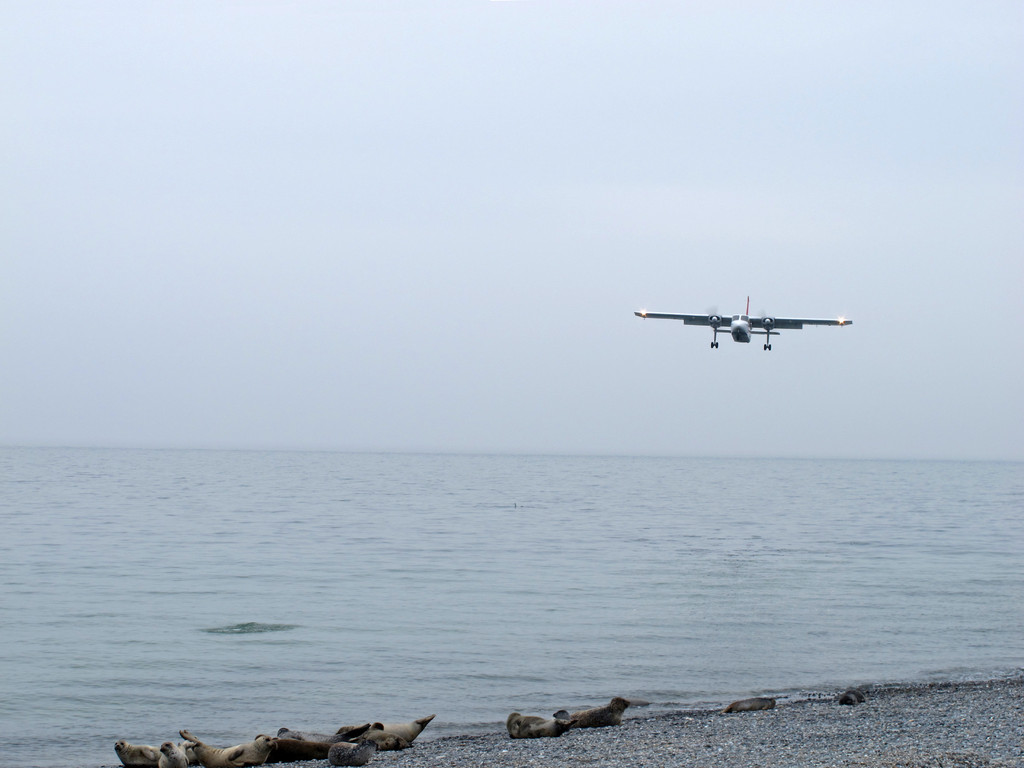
{"x": 232, "y": 593}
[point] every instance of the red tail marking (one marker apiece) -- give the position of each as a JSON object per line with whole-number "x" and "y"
{"x": 748, "y": 306}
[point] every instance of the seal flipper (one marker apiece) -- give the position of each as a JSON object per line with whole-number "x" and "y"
{"x": 351, "y": 734}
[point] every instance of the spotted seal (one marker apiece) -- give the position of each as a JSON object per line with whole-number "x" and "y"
{"x": 750, "y": 705}
{"x": 533, "y": 727}
{"x": 172, "y": 756}
{"x": 598, "y": 717}
{"x": 136, "y": 755}
{"x": 253, "y": 752}
{"x": 346, "y": 753}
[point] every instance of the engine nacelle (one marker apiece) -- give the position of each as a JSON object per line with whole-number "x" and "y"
{"x": 768, "y": 323}
{"x": 714, "y": 321}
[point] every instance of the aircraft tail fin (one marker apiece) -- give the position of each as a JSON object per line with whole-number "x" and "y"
{"x": 748, "y": 306}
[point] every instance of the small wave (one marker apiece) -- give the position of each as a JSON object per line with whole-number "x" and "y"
{"x": 249, "y": 628}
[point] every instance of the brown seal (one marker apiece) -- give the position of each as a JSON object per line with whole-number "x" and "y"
{"x": 172, "y": 756}
{"x": 294, "y": 750}
{"x": 407, "y": 731}
{"x": 851, "y": 696}
{"x": 346, "y": 753}
{"x": 750, "y": 705}
{"x": 186, "y": 747}
{"x": 533, "y": 727}
{"x": 598, "y": 717}
{"x": 137, "y": 755}
{"x": 386, "y": 742}
{"x": 253, "y": 752}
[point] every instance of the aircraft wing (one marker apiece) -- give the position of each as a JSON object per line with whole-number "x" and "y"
{"x": 687, "y": 319}
{"x": 796, "y": 323}
{"x": 779, "y": 323}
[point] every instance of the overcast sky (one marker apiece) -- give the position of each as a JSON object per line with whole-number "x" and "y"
{"x": 425, "y": 226}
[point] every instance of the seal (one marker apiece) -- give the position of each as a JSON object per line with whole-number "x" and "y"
{"x": 346, "y": 753}
{"x": 344, "y": 734}
{"x": 136, "y": 755}
{"x": 408, "y": 731}
{"x": 598, "y": 717}
{"x": 533, "y": 727}
{"x": 253, "y": 752}
{"x": 851, "y": 696}
{"x": 294, "y": 750}
{"x": 172, "y": 756}
{"x": 750, "y": 705}
{"x": 288, "y": 733}
{"x": 386, "y": 742}
{"x": 186, "y": 747}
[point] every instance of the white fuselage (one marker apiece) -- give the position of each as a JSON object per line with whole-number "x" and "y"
{"x": 740, "y": 328}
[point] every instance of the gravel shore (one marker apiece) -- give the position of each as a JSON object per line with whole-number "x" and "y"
{"x": 967, "y": 724}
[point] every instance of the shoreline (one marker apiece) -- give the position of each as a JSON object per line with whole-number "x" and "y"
{"x": 941, "y": 724}
{"x": 972, "y": 724}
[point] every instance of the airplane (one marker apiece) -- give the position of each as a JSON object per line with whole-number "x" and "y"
{"x": 742, "y": 327}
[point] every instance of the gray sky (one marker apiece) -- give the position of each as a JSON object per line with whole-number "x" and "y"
{"x": 414, "y": 226}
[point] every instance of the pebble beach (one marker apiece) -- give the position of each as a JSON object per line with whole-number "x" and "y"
{"x": 937, "y": 725}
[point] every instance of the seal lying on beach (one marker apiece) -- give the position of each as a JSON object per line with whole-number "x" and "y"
{"x": 190, "y": 753}
{"x": 386, "y": 742}
{"x": 851, "y": 696}
{"x": 253, "y": 752}
{"x": 407, "y": 731}
{"x": 750, "y": 705}
{"x": 343, "y": 734}
{"x": 598, "y": 717}
{"x": 137, "y": 755}
{"x": 172, "y": 756}
{"x": 532, "y": 727}
{"x": 345, "y": 753}
{"x": 295, "y": 750}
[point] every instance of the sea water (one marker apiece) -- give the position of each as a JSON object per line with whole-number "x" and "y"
{"x": 232, "y": 593}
